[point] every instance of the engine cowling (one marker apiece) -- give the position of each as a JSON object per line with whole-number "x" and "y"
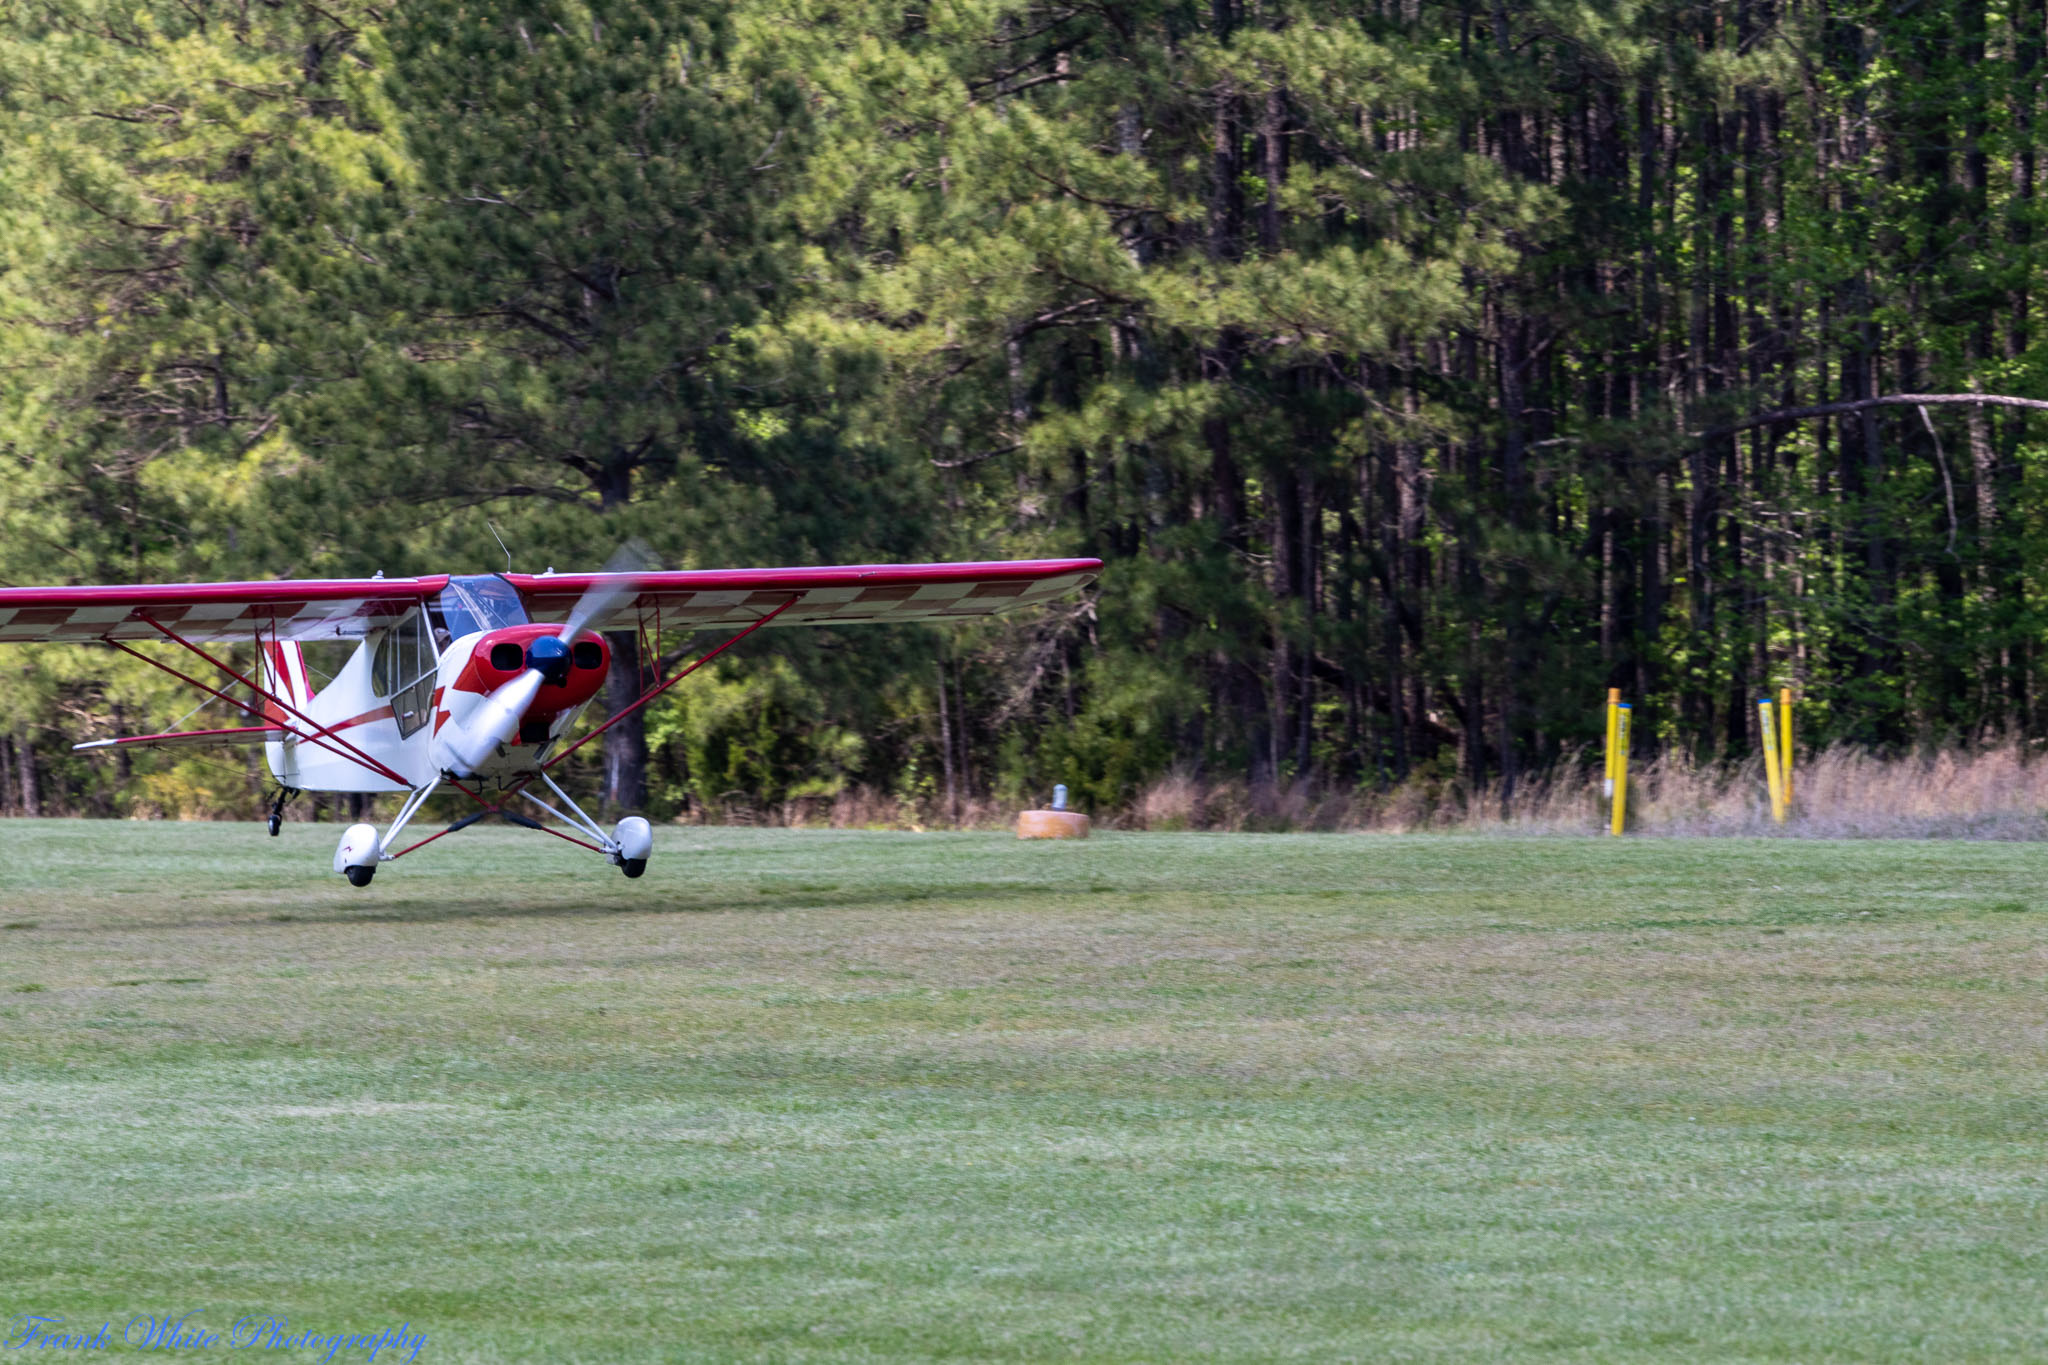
{"x": 514, "y": 686}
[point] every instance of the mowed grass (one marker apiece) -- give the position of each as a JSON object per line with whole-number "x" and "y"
{"x": 823, "y": 1096}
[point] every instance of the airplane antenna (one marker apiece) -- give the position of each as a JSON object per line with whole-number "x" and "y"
{"x": 501, "y": 544}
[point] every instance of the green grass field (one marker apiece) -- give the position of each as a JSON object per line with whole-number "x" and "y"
{"x": 819, "y": 1096}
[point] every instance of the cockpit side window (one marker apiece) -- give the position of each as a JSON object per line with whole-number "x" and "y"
{"x": 403, "y": 668}
{"x": 403, "y": 655}
{"x": 478, "y": 602}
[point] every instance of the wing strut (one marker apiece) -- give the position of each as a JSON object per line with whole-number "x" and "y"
{"x": 321, "y": 735}
{"x": 651, "y": 693}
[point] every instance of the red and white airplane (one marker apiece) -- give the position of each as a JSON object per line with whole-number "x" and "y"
{"x": 474, "y": 682}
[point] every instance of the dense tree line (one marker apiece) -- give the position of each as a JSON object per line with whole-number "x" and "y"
{"x": 1421, "y": 370}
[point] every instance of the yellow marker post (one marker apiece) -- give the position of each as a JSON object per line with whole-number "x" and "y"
{"x": 1774, "y": 777}
{"x": 1613, "y": 703}
{"x": 1621, "y": 711}
{"x": 1785, "y": 742}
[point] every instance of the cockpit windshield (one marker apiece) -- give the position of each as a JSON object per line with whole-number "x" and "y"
{"x": 479, "y": 602}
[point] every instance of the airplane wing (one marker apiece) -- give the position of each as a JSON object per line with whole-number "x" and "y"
{"x": 349, "y": 608}
{"x": 294, "y": 608}
{"x": 838, "y": 595}
{"x": 190, "y": 739}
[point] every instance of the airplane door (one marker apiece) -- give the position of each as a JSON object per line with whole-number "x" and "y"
{"x": 404, "y": 670}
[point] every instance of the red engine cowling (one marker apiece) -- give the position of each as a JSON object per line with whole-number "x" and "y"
{"x": 573, "y": 676}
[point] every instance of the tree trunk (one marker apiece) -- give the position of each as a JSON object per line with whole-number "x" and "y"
{"x": 25, "y": 768}
{"x": 625, "y": 744}
{"x": 946, "y": 750}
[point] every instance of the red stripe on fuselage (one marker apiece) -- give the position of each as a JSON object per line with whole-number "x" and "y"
{"x": 383, "y": 712}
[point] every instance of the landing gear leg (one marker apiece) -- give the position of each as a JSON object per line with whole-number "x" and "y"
{"x": 284, "y": 794}
{"x": 627, "y": 846}
{"x": 361, "y": 849}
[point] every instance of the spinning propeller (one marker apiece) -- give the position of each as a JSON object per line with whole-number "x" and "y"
{"x": 547, "y": 661}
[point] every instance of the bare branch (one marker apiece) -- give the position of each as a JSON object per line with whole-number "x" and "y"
{"x": 1889, "y": 400}
{"x": 978, "y": 457}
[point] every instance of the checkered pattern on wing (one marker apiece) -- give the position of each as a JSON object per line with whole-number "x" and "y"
{"x": 291, "y": 618}
{"x": 842, "y": 605}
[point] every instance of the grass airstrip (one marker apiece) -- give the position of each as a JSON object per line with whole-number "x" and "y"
{"x": 835, "y": 1096}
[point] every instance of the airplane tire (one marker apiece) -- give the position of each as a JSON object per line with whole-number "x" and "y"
{"x": 360, "y": 876}
{"x": 633, "y": 867}
{"x": 276, "y": 823}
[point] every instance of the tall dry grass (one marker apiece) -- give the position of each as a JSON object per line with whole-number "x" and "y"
{"x": 1994, "y": 791}
{"x": 1991, "y": 791}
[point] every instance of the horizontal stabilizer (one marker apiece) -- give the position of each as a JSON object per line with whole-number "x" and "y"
{"x": 191, "y": 739}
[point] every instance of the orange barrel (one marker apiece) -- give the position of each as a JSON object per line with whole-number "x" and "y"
{"x": 1051, "y": 824}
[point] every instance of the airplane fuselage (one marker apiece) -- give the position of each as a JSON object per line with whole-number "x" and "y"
{"x": 487, "y": 708}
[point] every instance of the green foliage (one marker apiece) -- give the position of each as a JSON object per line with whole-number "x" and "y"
{"x": 759, "y": 737}
{"x": 143, "y": 151}
{"x": 1380, "y": 352}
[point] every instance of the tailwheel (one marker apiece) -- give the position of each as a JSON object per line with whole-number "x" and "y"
{"x": 284, "y": 794}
